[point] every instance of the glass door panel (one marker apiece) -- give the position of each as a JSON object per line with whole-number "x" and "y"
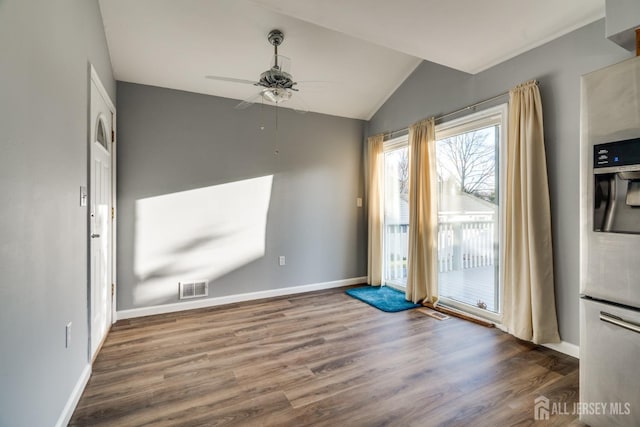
{"x": 468, "y": 216}
{"x": 396, "y": 216}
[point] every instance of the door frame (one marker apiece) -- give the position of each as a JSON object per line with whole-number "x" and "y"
{"x": 468, "y": 123}
{"x": 95, "y": 79}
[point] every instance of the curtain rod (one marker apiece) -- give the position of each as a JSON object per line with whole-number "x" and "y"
{"x": 493, "y": 98}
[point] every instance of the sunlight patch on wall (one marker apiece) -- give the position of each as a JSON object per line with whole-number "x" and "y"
{"x": 198, "y": 234}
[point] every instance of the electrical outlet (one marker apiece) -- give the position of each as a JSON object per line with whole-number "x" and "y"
{"x": 282, "y": 260}
{"x": 359, "y": 202}
{"x": 67, "y": 339}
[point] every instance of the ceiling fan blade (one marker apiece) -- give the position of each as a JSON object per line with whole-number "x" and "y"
{"x": 299, "y": 105}
{"x": 249, "y": 101}
{"x": 308, "y": 82}
{"x": 315, "y": 85}
{"x": 230, "y": 79}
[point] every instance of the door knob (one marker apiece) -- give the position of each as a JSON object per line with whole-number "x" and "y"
{"x": 95, "y": 236}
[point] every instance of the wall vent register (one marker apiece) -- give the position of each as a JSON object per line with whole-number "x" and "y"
{"x": 194, "y": 289}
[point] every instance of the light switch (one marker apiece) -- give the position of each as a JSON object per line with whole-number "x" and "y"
{"x": 83, "y": 196}
{"x": 359, "y": 202}
{"x": 67, "y": 335}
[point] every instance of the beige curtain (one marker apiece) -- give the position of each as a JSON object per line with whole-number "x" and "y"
{"x": 421, "y": 262}
{"x": 529, "y": 301}
{"x": 374, "y": 201}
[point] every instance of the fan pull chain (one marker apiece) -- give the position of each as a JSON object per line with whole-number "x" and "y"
{"x": 277, "y": 151}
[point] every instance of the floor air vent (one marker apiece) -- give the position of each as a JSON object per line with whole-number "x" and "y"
{"x": 194, "y": 289}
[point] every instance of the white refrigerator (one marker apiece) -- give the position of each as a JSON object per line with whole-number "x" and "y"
{"x": 610, "y": 246}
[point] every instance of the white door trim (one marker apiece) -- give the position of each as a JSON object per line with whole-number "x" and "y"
{"x": 95, "y": 79}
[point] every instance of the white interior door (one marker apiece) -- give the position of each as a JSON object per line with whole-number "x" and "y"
{"x": 101, "y": 227}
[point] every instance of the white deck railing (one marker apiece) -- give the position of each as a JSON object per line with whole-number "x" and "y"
{"x": 462, "y": 244}
{"x": 465, "y": 244}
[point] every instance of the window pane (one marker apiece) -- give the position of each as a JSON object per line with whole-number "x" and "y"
{"x": 467, "y": 166}
{"x": 396, "y": 215}
{"x": 101, "y": 135}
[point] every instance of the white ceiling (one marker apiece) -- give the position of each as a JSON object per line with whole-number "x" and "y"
{"x": 362, "y": 49}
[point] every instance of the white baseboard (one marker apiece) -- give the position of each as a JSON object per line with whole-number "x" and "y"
{"x": 230, "y": 299}
{"x": 562, "y": 347}
{"x": 74, "y": 397}
{"x": 566, "y": 348}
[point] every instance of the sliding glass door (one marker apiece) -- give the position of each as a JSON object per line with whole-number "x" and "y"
{"x": 468, "y": 169}
{"x": 396, "y": 212}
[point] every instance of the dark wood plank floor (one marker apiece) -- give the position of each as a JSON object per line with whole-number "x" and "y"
{"x": 321, "y": 359}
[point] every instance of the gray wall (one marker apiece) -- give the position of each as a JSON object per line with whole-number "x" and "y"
{"x": 46, "y": 48}
{"x": 433, "y": 89}
{"x": 171, "y": 141}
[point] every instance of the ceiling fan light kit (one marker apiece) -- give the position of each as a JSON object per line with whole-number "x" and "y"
{"x": 276, "y": 95}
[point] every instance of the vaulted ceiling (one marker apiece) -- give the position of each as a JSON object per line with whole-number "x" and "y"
{"x": 353, "y": 53}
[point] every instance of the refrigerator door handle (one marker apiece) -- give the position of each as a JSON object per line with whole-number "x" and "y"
{"x": 618, "y": 321}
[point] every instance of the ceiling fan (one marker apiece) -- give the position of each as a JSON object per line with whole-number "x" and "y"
{"x": 278, "y": 85}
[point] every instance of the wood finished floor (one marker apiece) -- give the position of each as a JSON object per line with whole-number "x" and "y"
{"x": 321, "y": 359}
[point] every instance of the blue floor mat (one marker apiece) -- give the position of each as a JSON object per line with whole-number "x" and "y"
{"x": 382, "y": 297}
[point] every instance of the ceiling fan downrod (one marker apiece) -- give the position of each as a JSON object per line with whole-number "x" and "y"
{"x": 275, "y": 37}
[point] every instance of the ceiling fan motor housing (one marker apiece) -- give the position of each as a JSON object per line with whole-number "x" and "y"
{"x": 275, "y": 78}
{"x": 275, "y": 37}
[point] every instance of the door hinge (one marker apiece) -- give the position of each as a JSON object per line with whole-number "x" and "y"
{"x": 113, "y": 289}
{"x": 113, "y": 136}
{"x": 113, "y": 213}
